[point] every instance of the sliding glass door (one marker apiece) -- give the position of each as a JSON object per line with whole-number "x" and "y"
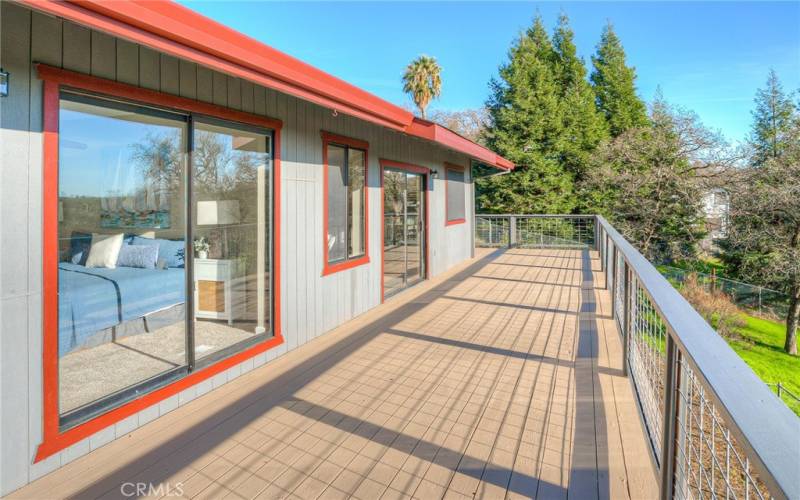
{"x": 165, "y": 251}
{"x": 404, "y": 230}
{"x": 230, "y": 189}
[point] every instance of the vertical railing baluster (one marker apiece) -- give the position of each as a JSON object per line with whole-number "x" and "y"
{"x": 613, "y": 288}
{"x": 670, "y": 416}
{"x": 512, "y": 229}
{"x": 626, "y": 319}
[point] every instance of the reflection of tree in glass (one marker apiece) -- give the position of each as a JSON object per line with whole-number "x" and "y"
{"x": 159, "y": 157}
{"x": 218, "y": 169}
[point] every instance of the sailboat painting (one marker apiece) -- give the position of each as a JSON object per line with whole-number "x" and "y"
{"x": 148, "y": 208}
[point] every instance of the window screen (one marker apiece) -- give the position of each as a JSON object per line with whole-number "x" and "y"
{"x": 455, "y": 195}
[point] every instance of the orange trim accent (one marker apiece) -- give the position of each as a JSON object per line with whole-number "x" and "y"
{"x": 53, "y": 439}
{"x": 327, "y": 139}
{"x": 384, "y": 163}
{"x": 173, "y": 29}
{"x": 447, "y": 221}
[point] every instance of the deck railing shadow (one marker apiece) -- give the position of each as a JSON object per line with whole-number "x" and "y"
{"x": 181, "y": 450}
{"x": 703, "y": 409}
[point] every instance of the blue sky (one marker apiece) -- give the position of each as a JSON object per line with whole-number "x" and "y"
{"x": 709, "y": 57}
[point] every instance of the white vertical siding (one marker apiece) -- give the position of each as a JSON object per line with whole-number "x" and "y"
{"x": 311, "y": 304}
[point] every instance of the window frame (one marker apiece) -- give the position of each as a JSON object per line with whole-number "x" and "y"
{"x": 447, "y": 220}
{"x": 54, "y": 437}
{"x": 330, "y": 139}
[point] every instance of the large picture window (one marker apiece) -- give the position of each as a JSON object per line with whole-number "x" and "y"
{"x": 345, "y": 202}
{"x": 164, "y": 247}
{"x": 454, "y": 194}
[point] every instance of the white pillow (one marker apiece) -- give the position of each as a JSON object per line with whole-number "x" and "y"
{"x": 104, "y": 251}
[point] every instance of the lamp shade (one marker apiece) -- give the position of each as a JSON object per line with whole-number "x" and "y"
{"x": 213, "y": 213}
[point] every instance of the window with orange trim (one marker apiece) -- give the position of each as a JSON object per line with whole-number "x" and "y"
{"x": 115, "y": 176}
{"x": 454, "y": 178}
{"x": 345, "y": 203}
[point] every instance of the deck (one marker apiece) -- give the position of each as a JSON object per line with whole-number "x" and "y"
{"x": 501, "y": 378}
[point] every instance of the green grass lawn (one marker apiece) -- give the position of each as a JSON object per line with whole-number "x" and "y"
{"x": 763, "y": 352}
{"x": 705, "y": 265}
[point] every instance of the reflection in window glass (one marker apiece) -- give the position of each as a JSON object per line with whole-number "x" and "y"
{"x": 231, "y": 229}
{"x": 347, "y": 198}
{"x": 121, "y": 236}
{"x": 337, "y": 203}
{"x": 356, "y": 168}
{"x": 455, "y": 195}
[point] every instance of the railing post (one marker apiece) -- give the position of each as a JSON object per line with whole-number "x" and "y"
{"x": 605, "y": 263}
{"x": 512, "y": 229}
{"x": 669, "y": 418}
{"x": 614, "y": 282}
{"x": 601, "y": 250}
{"x": 596, "y": 233}
{"x": 626, "y": 319}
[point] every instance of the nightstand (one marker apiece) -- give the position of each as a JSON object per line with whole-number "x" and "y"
{"x": 215, "y": 296}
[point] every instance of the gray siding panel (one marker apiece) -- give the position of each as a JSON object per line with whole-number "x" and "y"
{"x": 170, "y": 75}
{"x": 46, "y": 39}
{"x": 220, "y": 89}
{"x": 188, "y": 79}
{"x": 234, "y": 93}
{"x": 205, "y": 85}
{"x": 15, "y": 46}
{"x": 77, "y": 53}
{"x": 312, "y": 304}
{"x": 149, "y": 68}
{"x": 104, "y": 55}
{"x": 247, "y": 97}
{"x": 127, "y": 62}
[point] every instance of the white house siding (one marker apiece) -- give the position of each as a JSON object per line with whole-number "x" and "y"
{"x": 311, "y": 304}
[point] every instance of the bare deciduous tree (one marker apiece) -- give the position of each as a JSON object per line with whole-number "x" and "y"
{"x": 649, "y": 181}
{"x": 470, "y": 123}
{"x": 763, "y": 242}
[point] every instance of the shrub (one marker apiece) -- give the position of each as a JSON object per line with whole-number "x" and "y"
{"x": 714, "y": 305}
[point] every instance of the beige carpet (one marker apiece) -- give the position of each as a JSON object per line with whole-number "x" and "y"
{"x": 90, "y": 374}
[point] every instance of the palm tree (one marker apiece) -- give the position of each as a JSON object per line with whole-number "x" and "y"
{"x": 422, "y": 80}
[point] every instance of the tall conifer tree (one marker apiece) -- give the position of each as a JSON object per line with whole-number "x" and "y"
{"x": 526, "y": 127}
{"x": 614, "y": 84}
{"x": 772, "y": 120}
{"x": 583, "y": 126}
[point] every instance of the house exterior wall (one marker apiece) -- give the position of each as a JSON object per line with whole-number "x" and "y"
{"x": 311, "y": 304}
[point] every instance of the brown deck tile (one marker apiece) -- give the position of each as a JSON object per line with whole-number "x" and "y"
{"x": 490, "y": 381}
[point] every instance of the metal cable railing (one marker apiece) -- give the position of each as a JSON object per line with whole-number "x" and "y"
{"x": 714, "y": 428}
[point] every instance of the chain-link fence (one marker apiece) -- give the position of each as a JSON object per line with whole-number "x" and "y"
{"x": 764, "y": 301}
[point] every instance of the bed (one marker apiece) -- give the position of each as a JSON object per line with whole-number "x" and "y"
{"x": 92, "y": 300}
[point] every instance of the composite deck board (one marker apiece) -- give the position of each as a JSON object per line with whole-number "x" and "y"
{"x": 499, "y": 379}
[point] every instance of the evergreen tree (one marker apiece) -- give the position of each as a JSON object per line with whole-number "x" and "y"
{"x": 772, "y": 120}
{"x": 583, "y": 126}
{"x": 526, "y": 127}
{"x": 614, "y": 85}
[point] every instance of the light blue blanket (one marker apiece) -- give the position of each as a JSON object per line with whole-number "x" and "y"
{"x": 93, "y": 299}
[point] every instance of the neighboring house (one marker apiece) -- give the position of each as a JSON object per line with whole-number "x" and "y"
{"x": 716, "y": 206}
{"x": 181, "y": 203}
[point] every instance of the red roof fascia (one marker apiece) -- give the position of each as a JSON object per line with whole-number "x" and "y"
{"x": 167, "y": 28}
{"x": 446, "y": 137}
{"x": 176, "y": 30}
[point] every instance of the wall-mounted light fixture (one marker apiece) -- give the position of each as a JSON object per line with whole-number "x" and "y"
{"x": 3, "y": 83}
{"x": 435, "y": 174}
